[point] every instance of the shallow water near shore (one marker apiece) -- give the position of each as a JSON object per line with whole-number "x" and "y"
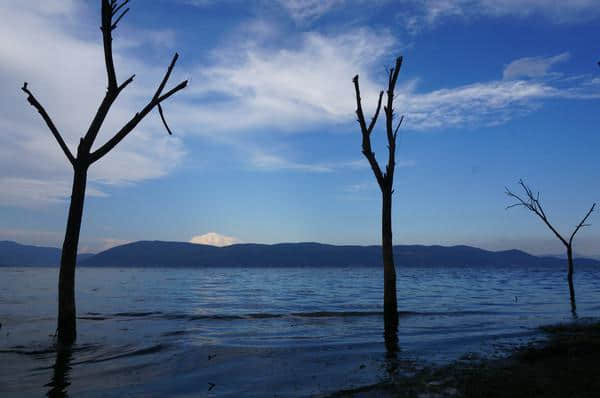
{"x": 265, "y": 331}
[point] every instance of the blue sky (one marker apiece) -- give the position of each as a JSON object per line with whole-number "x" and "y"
{"x": 266, "y": 147}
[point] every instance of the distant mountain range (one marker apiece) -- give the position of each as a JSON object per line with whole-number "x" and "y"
{"x": 181, "y": 254}
{"x": 13, "y": 253}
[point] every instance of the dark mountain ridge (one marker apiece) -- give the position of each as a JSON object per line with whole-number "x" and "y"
{"x": 308, "y": 254}
{"x": 181, "y": 254}
{"x": 15, "y": 254}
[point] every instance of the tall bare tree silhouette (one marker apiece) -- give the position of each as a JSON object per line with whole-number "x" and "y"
{"x": 112, "y": 13}
{"x": 532, "y": 203}
{"x": 386, "y": 182}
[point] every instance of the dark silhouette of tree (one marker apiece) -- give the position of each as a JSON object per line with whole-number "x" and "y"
{"x": 532, "y": 203}
{"x": 112, "y": 13}
{"x": 386, "y": 182}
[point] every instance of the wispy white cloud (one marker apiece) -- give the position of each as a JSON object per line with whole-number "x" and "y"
{"x": 555, "y": 11}
{"x": 198, "y": 3}
{"x": 406, "y": 163}
{"x": 52, "y": 7}
{"x": 293, "y": 89}
{"x": 33, "y": 193}
{"x": 360, "y": 187}
{"x": 533, "y": 67}
{"x": 473, "y": 105}
{"x": 71, "y": 87}
{"x": 261, "y": 160}
{"x": 269, "y": 161}
{"x": 527, "y": 83}
{"x": 160, "y": 39}
{"x": 204, "y": 3}
{"x": 421, "y": 14}
{"x": 303, "y": 11}
{"x": 214, "y": 239}
{"x": 286, "y": 88}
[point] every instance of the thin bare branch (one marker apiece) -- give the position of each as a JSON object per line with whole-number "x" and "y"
{"x": 155, "y": 101}
{"x": 109, "y": 98}
{"x": 172, "y": 91}
{"x": 162, "y": 117}
{"x": 370, "y": 155}
{"x": 366, "y": 131}
{"x": 125, "y": 83}
{"x": 107, "y": 14}
{"x": 113, "y": 89}
{"x": 166, "y": 77}
{"x": 533, "y": 204}
{"x": 398, "y": 127}
{"x": 582, "y": 223}
{"x": 125, "y": 130}
{"x": 374, "y": 118}
{"x": 115, "y": 8}
{"x": 34, "y": 102}
{"x": 114, "y": 24}
{"x": 520, "y": 201}
{"x": 389, "y": 116}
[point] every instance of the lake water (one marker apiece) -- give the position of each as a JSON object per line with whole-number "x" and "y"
{"x": 265, "y": 332}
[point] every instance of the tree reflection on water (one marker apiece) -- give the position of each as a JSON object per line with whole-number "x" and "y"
{"x": 61, "y": 377}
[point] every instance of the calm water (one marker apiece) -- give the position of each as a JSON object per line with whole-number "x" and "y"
{"x": 264, "y": 332}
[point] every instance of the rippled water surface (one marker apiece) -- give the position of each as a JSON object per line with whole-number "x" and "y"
{"x": 264, "y": 332}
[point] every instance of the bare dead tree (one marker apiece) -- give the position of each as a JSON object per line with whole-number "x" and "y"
{"x": 386, "y": 182}
{"x": 532, "y": 203}
{"x": 112, "y": 13}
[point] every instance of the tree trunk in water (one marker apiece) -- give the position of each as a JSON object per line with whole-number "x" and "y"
{"x": 570, "y": 279}
{"x": 67, "y": 328}
{"x": 390, "y": 304}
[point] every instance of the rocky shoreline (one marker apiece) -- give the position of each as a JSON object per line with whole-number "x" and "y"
{"x": 565, "y": 365}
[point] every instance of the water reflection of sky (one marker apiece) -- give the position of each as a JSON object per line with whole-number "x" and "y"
{"x": 281, "y": 325}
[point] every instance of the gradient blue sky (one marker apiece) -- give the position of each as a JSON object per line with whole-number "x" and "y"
{"x": 266, "y": 147}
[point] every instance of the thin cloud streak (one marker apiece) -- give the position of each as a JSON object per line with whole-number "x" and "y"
{"x": 419, "y": 15}
{"x": 286, "y": 89}
{"x": 270, "y": 162}
{"x": 533, "y": 67}
{"x": 306, "y": 11}
{"x": 35, "y": 193}
{"x": 295, "y": 89}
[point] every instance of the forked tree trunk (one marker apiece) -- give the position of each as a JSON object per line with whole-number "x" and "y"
{"x": 390, "y": 306}
{"x": 570, "y": 280}
{"x": 67, "y": 330}
{"x": 385, "y": 180}
{"x": 532, "y": 203}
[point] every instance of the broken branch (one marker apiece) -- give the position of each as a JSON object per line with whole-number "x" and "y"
{"x": 34, "y": 102}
